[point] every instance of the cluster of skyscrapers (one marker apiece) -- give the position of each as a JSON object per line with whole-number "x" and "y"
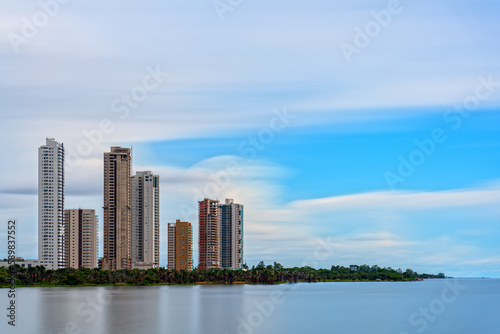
{"x": 69, "y": 237}
{"x": 66, "y": 237}
{"x": 131, "y": 214}
{"x": 220, "y": 234}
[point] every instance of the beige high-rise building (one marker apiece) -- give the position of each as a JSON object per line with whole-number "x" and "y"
{"x": 81, "y": 237}
{"x": 209, "y": 234}
{"x": 180, "y": 245}
{"x": 145, "y": 236}
{"x": 117, "y": 210}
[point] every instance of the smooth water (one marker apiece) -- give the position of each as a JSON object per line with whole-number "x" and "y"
{"x": 433, "y": 306}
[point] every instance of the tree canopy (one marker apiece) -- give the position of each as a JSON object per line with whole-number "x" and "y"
{"x": 261, "y": 274}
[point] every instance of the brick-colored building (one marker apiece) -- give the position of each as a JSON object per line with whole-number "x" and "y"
{"x": 180, "y": 245}
{"x": 209, "y": 234}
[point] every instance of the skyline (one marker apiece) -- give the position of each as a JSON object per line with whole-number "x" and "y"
{"x": 315, "y": 180}
{"x": 325, "y": 246}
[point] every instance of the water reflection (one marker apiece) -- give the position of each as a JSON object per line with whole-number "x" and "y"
{"x": 257, "y": 309}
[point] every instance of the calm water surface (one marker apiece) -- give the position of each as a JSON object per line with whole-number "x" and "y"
{"x": 433, "y": 306}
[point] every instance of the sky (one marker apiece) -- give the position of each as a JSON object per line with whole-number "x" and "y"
{"x": 360, "y": 132}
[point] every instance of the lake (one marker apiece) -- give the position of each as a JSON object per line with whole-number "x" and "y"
{"x": 433, "y": 306}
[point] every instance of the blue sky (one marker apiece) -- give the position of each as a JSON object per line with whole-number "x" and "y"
{"x": 314, "y": 185}
{"x": 324, "y": 161}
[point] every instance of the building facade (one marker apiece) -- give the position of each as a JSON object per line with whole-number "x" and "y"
{"x": 117, "y": 210}
{"x": 180, "y": 246}
{"x": 145, "y": 229}
{"x": 81, "y": 237}
{"x": 209, "y": 234}
{"x": 171, "y": 246}
{"x": 21, "y": 262}
{"x": 51, "y": 229}
{"x": 231, "y": 234}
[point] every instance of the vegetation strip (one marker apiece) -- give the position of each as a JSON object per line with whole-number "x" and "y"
{"x": 261, "y": 274}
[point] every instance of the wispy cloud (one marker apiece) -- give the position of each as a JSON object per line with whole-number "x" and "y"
{"x": 404, "y": 200}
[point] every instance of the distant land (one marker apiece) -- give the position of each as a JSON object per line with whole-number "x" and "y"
{"x": 260, "y": 274}
{"x": 470, "y": 277}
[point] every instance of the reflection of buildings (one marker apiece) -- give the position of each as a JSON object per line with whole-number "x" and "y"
{"x": 180, "y": 245}
{"x": 81, "y": 237}
{"x": 51, "y": 253}
{"x": 209, "y": 234}
{"x": 232, "y": 234}
{"x": 117, "y": 164}
{"x": 145, "y": 230}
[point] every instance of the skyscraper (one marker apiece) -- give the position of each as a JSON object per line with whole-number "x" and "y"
{"x": 171, "y": 246}
{"x": 145, "y": 235}
{"x": 232, "y": 234}
{"x": 209, "y": 234}
{"x": 51, "y": 230}
{"x": 180, "y": 245}
{"x": 81, "y": 237}
{"x": 117, "y": 166}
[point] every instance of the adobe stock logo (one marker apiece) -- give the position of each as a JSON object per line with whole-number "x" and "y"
{"x": 31, "y": 27}
{"x": 248, "y": 150}
{"x": 420, "y": 319}
{"x": 121, "y": 107}
{"x": 454, "y": 118}
{"x": 265, "y": 309}
{"x": 223, "y": 6}
{"x": 363, "y": 37}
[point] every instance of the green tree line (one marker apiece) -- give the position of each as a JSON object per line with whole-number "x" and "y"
{"x": 260, "y": 274}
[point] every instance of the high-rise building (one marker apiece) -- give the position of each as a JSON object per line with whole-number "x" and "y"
{"x": 209, "y": 234}
{"x": 231, "y": 235}
{"x": 180, "y": 245}
{"x": 117, "y": 210}
{"x": 81, "y": 237}
{"x": 51, "y": 230}
{"x": 171, "y": 246}
{"x": 145, "y": 236}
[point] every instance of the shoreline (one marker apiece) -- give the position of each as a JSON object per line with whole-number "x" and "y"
{"x": 213, "y": 283}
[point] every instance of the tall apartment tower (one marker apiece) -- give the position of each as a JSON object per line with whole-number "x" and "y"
{"x": 180, "y": 246}
{"x": 51, "y": 230}
{"x": 145, "y": 235}
{"x": 171, "y": 246}
{"x": 209, "y": 234}
{"x": 231, "y": 235}
{"x": 81, "y": 237}
{"x": 117, "y": 210}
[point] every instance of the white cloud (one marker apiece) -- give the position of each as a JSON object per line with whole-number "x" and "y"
{"x": 378, "y": 228}
{"x": 403, "y": 200}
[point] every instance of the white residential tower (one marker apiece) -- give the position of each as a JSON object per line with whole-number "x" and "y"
{"x": 145, "y": 229}
{"x": 51, "y": 229}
